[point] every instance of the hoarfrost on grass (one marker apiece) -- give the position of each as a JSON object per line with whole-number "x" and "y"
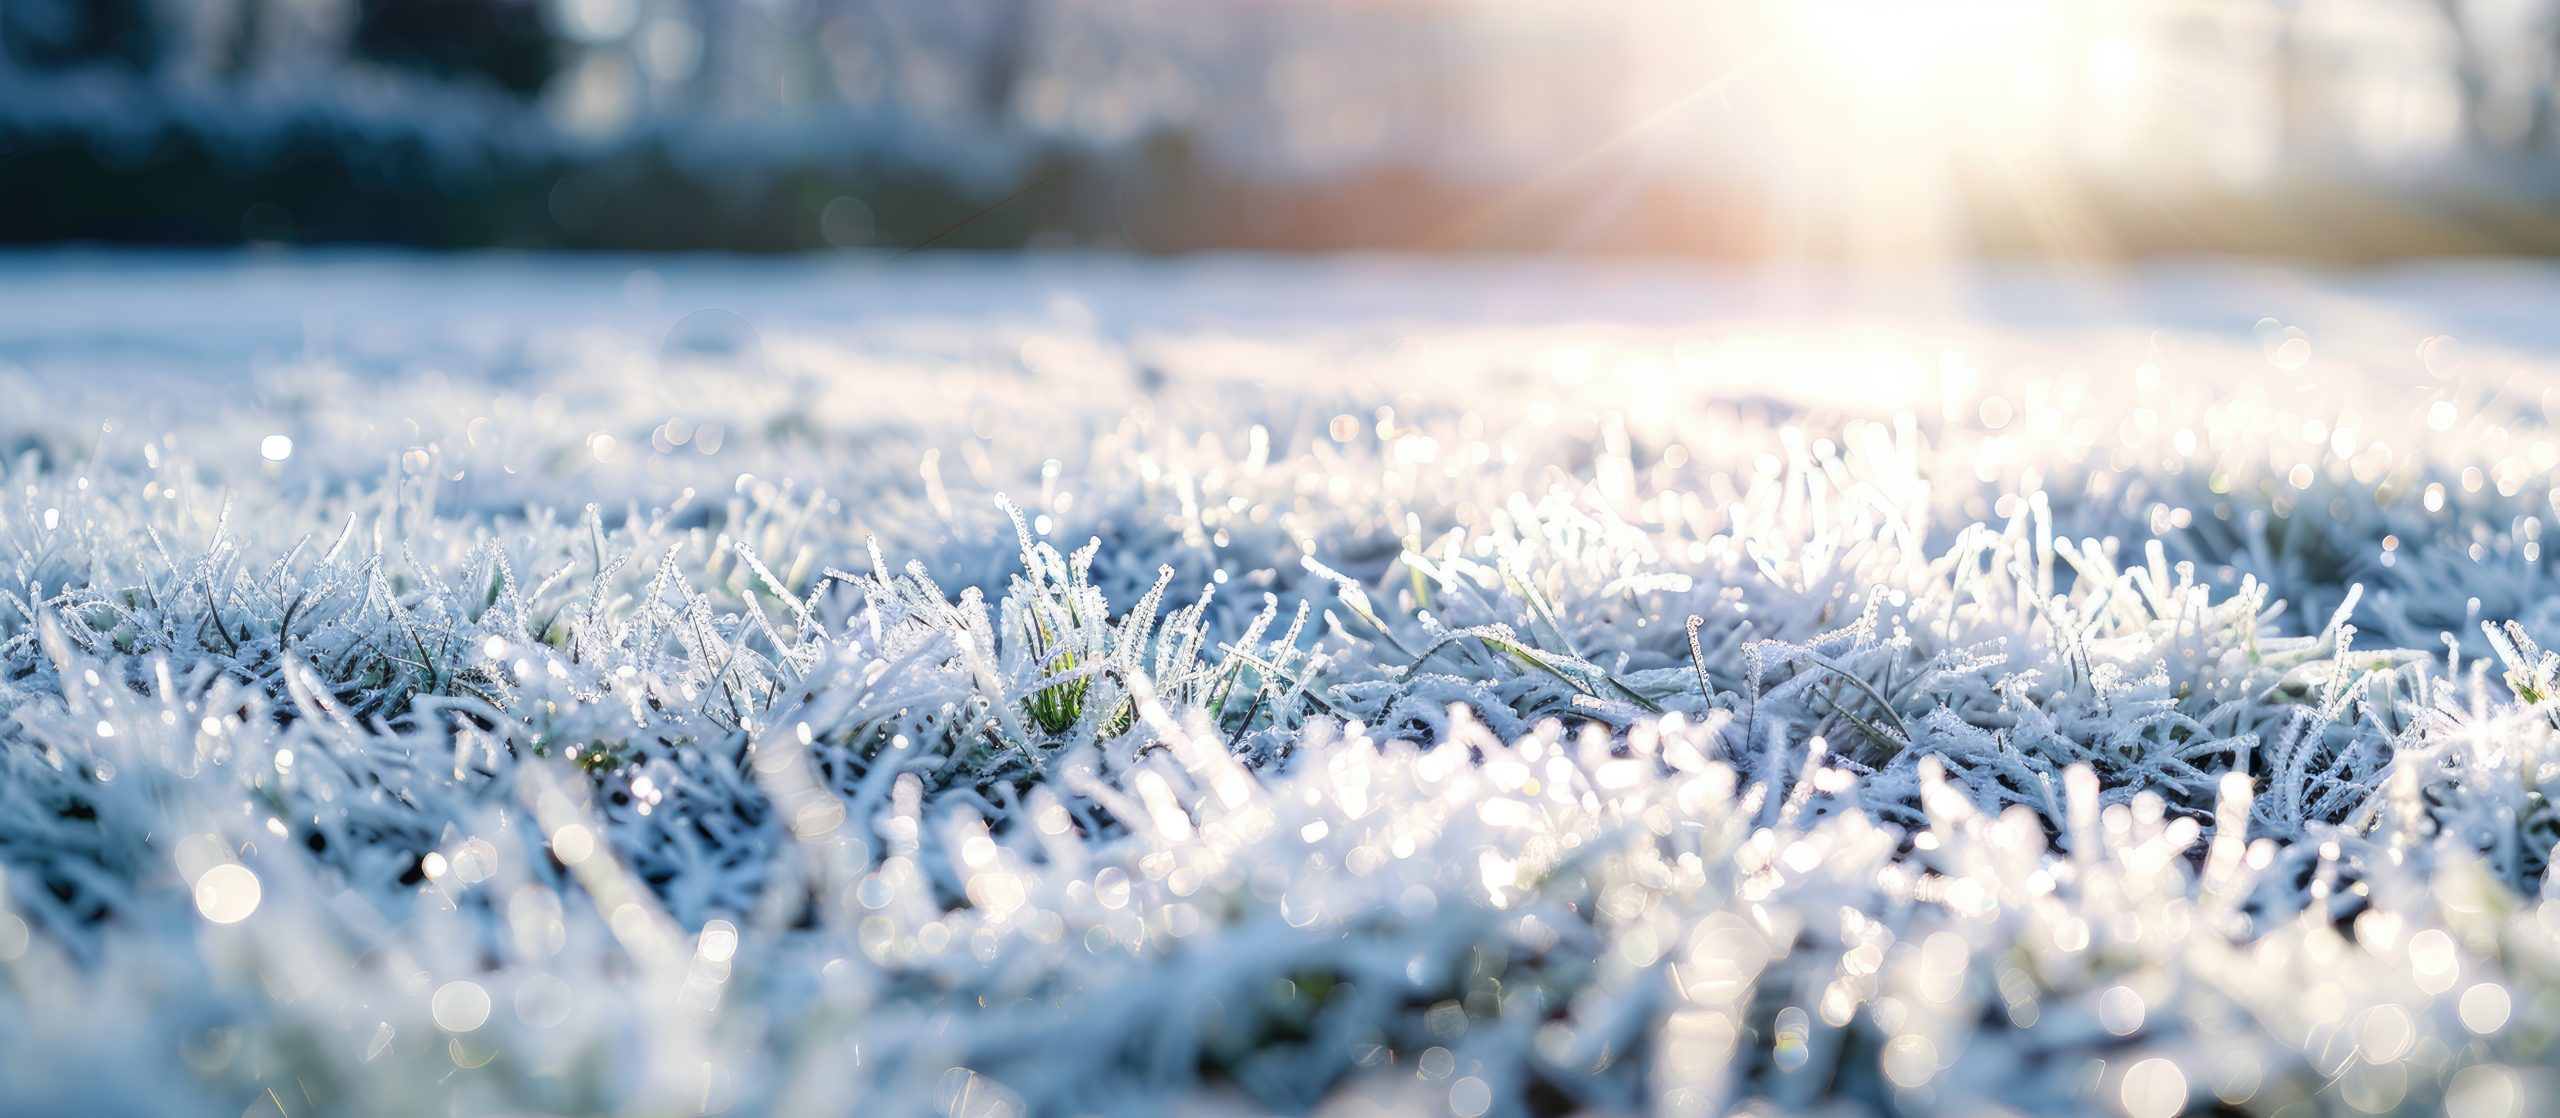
{"x": 1051, "y": 716}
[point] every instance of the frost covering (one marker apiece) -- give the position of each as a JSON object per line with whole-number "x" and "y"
{"x": 1050, "y": 717}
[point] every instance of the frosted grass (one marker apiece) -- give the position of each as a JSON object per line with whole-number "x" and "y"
{"x": 1046, "y": 717}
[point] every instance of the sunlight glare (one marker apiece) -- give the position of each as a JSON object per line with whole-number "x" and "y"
{"x": 1985, "y": 67}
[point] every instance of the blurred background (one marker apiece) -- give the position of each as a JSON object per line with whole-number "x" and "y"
{"x": 2341, "y": 130}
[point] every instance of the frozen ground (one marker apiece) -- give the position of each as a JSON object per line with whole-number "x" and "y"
{"x": 510, "y": 685}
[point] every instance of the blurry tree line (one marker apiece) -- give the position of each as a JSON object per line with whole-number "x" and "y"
{"x": 2336, "y": 128}
{"x": 507, "y": 43}
{"x": 2506, "y": 63}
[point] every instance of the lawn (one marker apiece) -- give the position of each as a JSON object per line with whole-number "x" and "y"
{"x": 1071, "y": 685}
